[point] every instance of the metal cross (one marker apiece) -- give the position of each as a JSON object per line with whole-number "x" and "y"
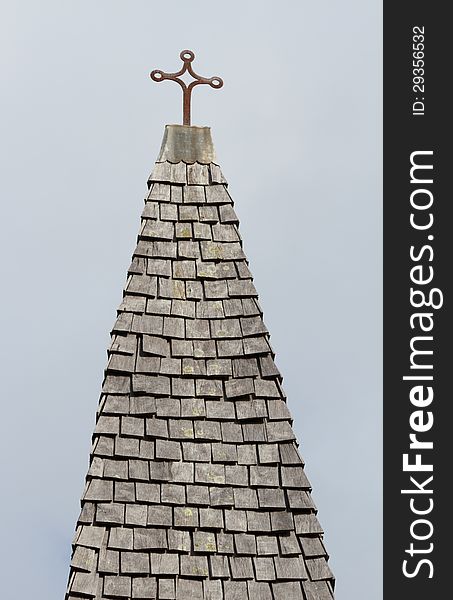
{"x": 187, "y": 57}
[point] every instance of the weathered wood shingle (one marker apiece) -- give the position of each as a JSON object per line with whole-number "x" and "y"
{"x": 196, "y": 489}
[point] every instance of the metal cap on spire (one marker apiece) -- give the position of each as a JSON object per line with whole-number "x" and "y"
{"x": 187, "y": 56}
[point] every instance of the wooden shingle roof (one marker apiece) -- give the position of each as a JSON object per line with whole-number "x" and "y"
{"x": 196, "y": 489}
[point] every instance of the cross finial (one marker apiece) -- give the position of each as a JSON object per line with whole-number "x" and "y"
{"x": 187, "y": 57}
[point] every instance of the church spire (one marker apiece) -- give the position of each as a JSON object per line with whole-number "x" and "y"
{"x": 196, "y": 489}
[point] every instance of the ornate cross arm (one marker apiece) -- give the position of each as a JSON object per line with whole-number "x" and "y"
{"x": 187, "y": 57}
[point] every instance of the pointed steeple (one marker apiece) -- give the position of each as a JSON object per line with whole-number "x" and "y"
{"x": 196, "y": 489}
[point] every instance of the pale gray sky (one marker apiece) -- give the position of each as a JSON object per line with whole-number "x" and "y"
{"x": 297, "y": 129}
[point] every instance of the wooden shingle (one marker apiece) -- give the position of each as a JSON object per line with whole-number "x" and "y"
{"x": 196, "y": 489}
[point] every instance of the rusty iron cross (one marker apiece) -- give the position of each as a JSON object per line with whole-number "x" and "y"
{"x": 187, "y": 57}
